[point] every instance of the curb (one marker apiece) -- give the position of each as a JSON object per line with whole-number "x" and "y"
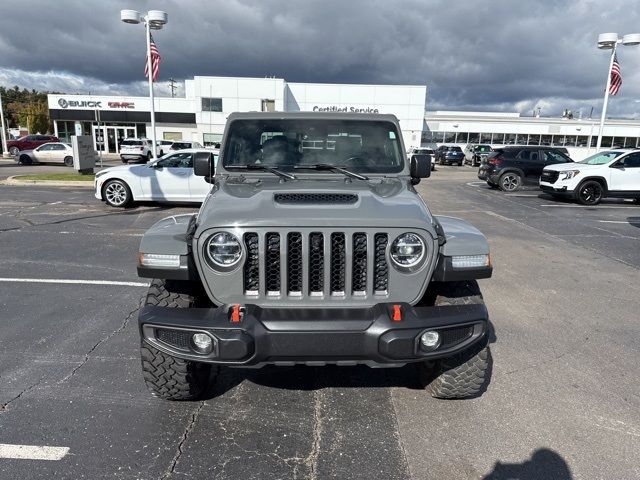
{"x": 15, "y": 180}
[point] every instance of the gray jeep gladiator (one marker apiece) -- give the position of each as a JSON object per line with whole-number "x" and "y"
{"x": 313, "y": 248}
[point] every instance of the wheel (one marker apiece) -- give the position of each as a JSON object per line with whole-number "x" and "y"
{"x": 433, "y": 167}
{"x": 14, "y": 151}
{"x": 636, "y": 200}
{"x": 148, "y": 157}
{"x": 492, "y": 185}
{"x": 459, "y": 164}
{"x": 161, "y": 153}
{"x": 68, "y": 161}
{"x": 124, "y": 160}
{"x": 467, "y": 373}
{"x": 166, "y": 376}
{"x": 25, "y": 160}
{"x": 590, "y": 193}
{"x": 116, "y": 193}
{"x": 510, "y": 182}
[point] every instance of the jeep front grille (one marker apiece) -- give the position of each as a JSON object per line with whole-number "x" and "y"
{"x": 316, "y": 264}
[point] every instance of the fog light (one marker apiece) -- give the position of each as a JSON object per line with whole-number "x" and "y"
{"x": 430, "y": 340}
{"x": 202, "y": 343}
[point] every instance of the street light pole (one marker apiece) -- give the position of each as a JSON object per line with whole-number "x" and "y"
{"x": 606, "y": 97}
{"x": 4, "y": 133}
{"x": 610, "y": 41}
{"x": 153, "y": 20}
{"x": 151, "y": 99}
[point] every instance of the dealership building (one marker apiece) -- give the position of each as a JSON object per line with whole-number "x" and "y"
{"x": 202, "y": 113}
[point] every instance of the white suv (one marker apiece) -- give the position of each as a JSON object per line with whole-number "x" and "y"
{"x": 139, "y": 149}
{"x": 611, "y": 173}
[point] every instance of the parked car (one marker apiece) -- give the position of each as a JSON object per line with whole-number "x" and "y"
{"x": 449, "y": 154}
{"x": 168, "y": 179}
{"x": 181, "y": 145}
{"x": 612, "y": 173}
{"x": 54, "y": 152}
{"x": 29, "y": 142}
{"x": 474, "y": 153}
{"x": 509, "y": 168}
{"x": 423, "y": 151}
{"x": 163, "y": 146}
{"x": 267, "y": 273}
{"x": 139, "y": 149}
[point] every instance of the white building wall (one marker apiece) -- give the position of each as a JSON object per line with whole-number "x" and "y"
{"x": 404, "y": 101}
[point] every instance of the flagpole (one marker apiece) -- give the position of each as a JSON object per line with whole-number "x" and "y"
{"x": 606, "y": 97}
{"x": 150, "y": 75}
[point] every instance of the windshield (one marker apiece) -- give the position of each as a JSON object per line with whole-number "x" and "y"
{"x": 601, "y": 158}
{"x": 359, "y": 146}
{"x": 483, "y": 149}
{"x": 180, "y": 145}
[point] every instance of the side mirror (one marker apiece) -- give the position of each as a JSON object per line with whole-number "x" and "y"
{"x": 203, "y": 164}
{"x": 419, "y": 167}
{"x": 618, "y": 165}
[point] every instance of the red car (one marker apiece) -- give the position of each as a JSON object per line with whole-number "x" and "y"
{"x": 29, "y": 142}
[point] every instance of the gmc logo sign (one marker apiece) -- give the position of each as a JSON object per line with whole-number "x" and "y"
{"x": 121, "y": 105}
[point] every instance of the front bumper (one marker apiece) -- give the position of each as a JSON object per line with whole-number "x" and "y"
{"x": 556, "y": 189}
{"x": 347, "y": 336}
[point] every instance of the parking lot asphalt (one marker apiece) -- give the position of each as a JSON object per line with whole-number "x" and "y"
{"x": 563, "y": 402}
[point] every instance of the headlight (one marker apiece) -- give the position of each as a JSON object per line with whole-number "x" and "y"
{"x": 407, "y": 250}
{"x": 569, "y": 174}
{"x": 224, "y": 249}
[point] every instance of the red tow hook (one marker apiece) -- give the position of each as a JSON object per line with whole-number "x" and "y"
{"x": 236, "y": 313}
{"x": 397, "y": 313}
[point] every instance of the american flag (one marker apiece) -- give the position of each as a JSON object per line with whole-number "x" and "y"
{"x": 616, "y": 76}
{"x": 155, "y": 62}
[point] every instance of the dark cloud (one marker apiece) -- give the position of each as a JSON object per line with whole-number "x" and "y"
{"x": 498, "y": 55}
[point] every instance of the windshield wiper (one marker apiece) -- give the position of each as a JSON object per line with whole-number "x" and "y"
{"x": 333, "y": 168}
{"x": 257, "y": 166}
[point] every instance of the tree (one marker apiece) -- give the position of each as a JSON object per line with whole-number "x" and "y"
{"x": 26, "y": 108}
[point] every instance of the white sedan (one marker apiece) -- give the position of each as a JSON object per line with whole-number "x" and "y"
{"x": 52, "y": 152}
{"x": 168, "y": 179}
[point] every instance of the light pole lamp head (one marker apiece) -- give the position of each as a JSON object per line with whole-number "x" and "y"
{"x": 130, "y": 16}
{"x": 606, "y": 41}
{"x": 631, "y": 39}
{"x": 157, "y": 19}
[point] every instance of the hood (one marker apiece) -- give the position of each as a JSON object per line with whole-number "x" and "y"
{"x": 562, "y": 167}
{"x": 326, "y": 202}
{"x": 120, "y": 168}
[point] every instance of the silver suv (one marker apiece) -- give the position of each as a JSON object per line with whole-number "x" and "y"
{"x": 313, "y": 248}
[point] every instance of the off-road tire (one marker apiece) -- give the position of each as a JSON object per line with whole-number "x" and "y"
{"x": 168, "y": 377}
{"x": 467, "y": 373}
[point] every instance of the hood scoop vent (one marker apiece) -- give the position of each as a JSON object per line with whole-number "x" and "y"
{"x": 315, "y": 198}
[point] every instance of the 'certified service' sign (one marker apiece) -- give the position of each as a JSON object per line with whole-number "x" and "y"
{"x": 335, "y": 108}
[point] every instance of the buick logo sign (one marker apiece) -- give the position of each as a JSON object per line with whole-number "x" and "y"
{"x": 79, "y": 103}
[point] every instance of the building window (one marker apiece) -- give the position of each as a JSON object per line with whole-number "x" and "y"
{"x": 462, "y": 137}
{"x": 533, "y": 139}
{"x": 449, "y": 137}
{"x": 497, "y": 139}
{"x": 268, "y": 105}
{"x": 175, "y": 136}
{"x": 485, "y": 138}
{"x": 474, "y": 138}
{"x": 212, "y": 139}
{"x": 211, "y": 104}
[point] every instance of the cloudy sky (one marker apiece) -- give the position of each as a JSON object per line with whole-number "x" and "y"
{"x": 498, "y": 55}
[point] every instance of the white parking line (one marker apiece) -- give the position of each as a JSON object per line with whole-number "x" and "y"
{"x": 32, "y": 452}
{"x": 612, "y": 221}
{"x": 580, "y": 206}
{"x": 74, "y": 282}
